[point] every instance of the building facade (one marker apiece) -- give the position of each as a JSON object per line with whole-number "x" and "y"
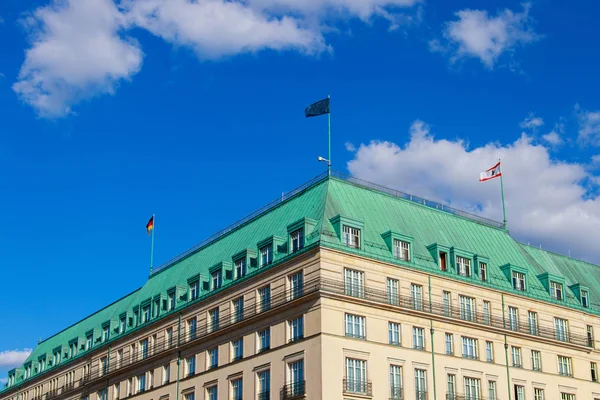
{"x": 340, "y": 290}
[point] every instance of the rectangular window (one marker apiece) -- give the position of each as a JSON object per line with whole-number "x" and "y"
{"x": 264, "y": 298}
{"x": 212, "y": 393}
{"x": 538, "y": 394}
{"x": 237, "y": 349}
{"x": 492, "y": 390}
{"x": 585, "y": 299}
{"x": 266, "y": 255}
{"x": 190, "y": 366}
{"x": 565, "y": 366}
{"x": 355, "y": 326}
{"x": 567, "y": 396}
{"x": 216, "y": 279}
{"x": 213, "y": 358}
{"x": 420, "y": 384}
{"x": 463, "y": 266}
{"x": 105, "y": 333}
{"x": 443, "y": 261}
{"x": 516, "y": 357}
{"x": 416, "y": 296}
{"x": 513, "y": 318}
{"x": 146, "y": 314}
{"x": 237, "y": 389}
{"x": 354, "y": 283}
{"x": 144, "y": 348}
{"x": 194, "y": 290}
{"x": 489, "y": 351}
{"x": 532, "y": 319}
{"x": 447, "y": 297}
{"x": 240, "y": 268}
{"x": 213, "y": 319}
{"x": 169, "y": 334}
{"x": 472, "y": 388}
{"x": 483, "y": 271}
{"x": 192, "y": 325}
{"x": 295, "y": 285}
{"x": 449, "y": 344}
{"x": 401, "y": 250}
{"x": 166, "y": 376}
{"x": 296, "y": 329}
{"x": 238, "y": 309}
{"x": 351, "y": 237}
{"x": 122, "y": 324}
{"x": 590, "y": 335}
{"x": 536, "y": 360}
{"x": 518, "y": 281}
{"x": 561, "y": 328}
{"x": 263, "y": 379}
{"x": 103, "y": 365}
{"x": 418, "y": 338}
{"x": 556, "y": 290}
{"x": 189, "y": 396}
{"x": 264, "y": 340}
{"x": 392, "y": 292}
{"x": 594, "y": 371}
{"x": 297, "y": 238}
{"x": 451, "y": 387}
{"x": 467, "y": 308}
{"x": 394, "y": 333}
{"x": 395, "y": 382}
{"x": 470, "y": 348}
{"x": 141, "y": 379}
{"x": 103, "y": 394}
{"x": 519, "y": 392}
{"x": 356, "y": 376}
{"x": 295, "y": 379}
{"x": 171, "y": 301}
{"x": 88, "y": 345}
{"x": 487, "y": 309}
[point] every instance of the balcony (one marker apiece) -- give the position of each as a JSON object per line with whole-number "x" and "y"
{"x": 362, "y": 387}
{"x": 296, "y": 390}
{"x": 450, "y": 396}
{"x": 264, "y": 395}
{"x": 421, "y": 395}
{"x": 396, "y": 393}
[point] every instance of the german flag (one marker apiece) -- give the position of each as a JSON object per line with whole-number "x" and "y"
{"x": 150, "y": 225}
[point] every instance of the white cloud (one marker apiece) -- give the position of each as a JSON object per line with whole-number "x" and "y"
{"x": 548, "y": 201}
{"x": 532, "y": 122}
{"x": 350, "y": 146}
{"x": 477, "y": 34}
{"x": 3, "y": 380}
{"x": 589, "y": 126}
{"x": 13, "y": 358}
{"x": 553, "y": 138}
{"x": 77, "y": 52}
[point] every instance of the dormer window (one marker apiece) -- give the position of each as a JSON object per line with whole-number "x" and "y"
{"x": 401, "y": 250}
{"x": 463, "y": 266}
{"x": 122, "y": 324}
{"x": 518, "y": 281}
{"x": 194, "y": 290}
{"x": 216, "y": 279}
{"x": 556, "y": 290}
{"x": 172, "y": 301}
{"x": 351, "y": 237}
{"x": 240, "y": 268}
{"x": 105, "y": 333}
{"x": 72, "y": 349}
{"x": 297, "y": 238}
{"x": 146, "y": 314}
{"x": 89, "y": 340}
{"x": 266, "y": 255}
{"x": 483, "y": 272}
{"x": 584, "y": 299}
{"x": 443, "y": 261}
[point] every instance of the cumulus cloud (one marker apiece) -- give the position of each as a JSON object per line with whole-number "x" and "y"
{"x": 532, "y": 122}
{"x": 350, "y": 146}
{"x": 589, "y": 126}
{"x": 548, "y": 201}
{"x": 13, "y": 358}
{"x": 476, "y": 34}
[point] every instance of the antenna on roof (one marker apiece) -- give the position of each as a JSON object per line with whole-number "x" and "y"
{"x": 569, "y": 253}
{"x": 540, "y": 246}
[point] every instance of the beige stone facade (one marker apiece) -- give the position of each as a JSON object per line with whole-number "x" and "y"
{"x": 346, "y": 341}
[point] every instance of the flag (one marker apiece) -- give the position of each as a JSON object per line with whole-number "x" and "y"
{"x": 150, "y": 225}
{"x": 491, "y": 173}
{"x": 319, "y": 108}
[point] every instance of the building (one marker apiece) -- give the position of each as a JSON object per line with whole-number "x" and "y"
{"x": 340, "y": 290}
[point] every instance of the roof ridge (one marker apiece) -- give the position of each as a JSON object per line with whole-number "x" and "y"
{"x": 558, "y": 254}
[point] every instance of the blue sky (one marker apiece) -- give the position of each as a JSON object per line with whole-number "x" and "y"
{"x": 112, "y": 111}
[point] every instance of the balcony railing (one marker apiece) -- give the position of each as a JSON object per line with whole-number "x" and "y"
{"x": 294, "y": 390}
{"x": 396, "y": 393}
{"x": 353, "y": 386}
{"x": 421, "y": 395}
{"x": 450, "y": 396}
{"x": 264, "y": 395}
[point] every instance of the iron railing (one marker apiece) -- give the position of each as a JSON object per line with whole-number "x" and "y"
{"x": 450, "y": 396}
{"x": 293, "y": 390}
{"x": 421, "y": 395}
{"x": 266, "y": 395}
{"x": 358, "y": 386}
{"x": 396, "y": 393}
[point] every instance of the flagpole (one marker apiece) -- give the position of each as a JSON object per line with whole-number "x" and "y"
{"x": 329, "y": 137}
{"x": 152, "y": 245}
{"x": 502, "y": 190}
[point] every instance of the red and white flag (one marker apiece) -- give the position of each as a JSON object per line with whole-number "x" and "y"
{"x": 491, "y": 173}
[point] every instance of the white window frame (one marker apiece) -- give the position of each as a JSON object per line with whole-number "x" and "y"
{"x": 355, "y": 326}
{"x": 463, "y": 266}
{"x": 402, "y": 250}
{"x": 351, "y": 236}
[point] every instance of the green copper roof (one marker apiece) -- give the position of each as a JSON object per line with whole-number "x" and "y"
{"x": 378, "y": 211}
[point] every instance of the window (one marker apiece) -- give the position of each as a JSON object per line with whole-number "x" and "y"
{"x": 266, "y": 255}
{"x": 213, "y": 358}
{"x": 483, "y": 271}
{"x": 213, "y": 319}
{"x": 487, "y": 312}
{"x": 516, "y": 356}
{"x": 492, "y": 390}
{"x": 567, "y": 396}
{"x": 296, "y": 329}
{"x": 355, "y": 326}
{"x": 585, "y": 299}
{"x": 469, "y": 348}
{"x": 590, "y": 335}
{"x": 564, "y": 366}
{"x": 171, "y": 301}
{"x": 189, "y": 396}
{"x": 392, "y": 292}
{"x": 264, "y": 298}
{"x": 472, "y": 388}
{"x": 351, "y": 237}
{"x": 190, "y": 366}
{"x": 518, "y": 281}
{"x": 354, "y": 283}
{"x": 418, "y": 338}
{"x": 129, "y": 386}
{"x": 394, "y": 333}
{"x": 420, "y": 384}
{"x": 295, "y": 378}
{"x": 463, "y": 266}
{"x": 451, "y": 389}
{"x": 356, "y": 376}
{"x": 449, "y": 344}
{"x": 395, "y": 382}
{"x": 264, "y": 340}
{"x": 489, "y": 351}
{"x": 146, "y": 314}
{"x": 240, "y": 268}
{"x": 297, "y": 238}
{"x": 88, "y": 345}
{"x": 416, "y": 296}
{"x": 513, "y": 318}
{"x": 401, "y": 250}
{"x": 519, "y": 392}
{"x": 216, "y": 279}
{"x": 447, "y": 303}
{"x": 561, "y": 328}
{"x": 295, "y": 285}
{"x": 538, "y": 394}
{"x": 122, "y": 324}
{"x": 264, "y": 384}
{"x": 144, "y": 348}
{"x": 191, "y": 325}
{"x": 166, "y": 374}
{"x": 194, "y": 290}
{"x": 238, "y": 309}
{"x": 72, "y": 353}
{"x": 594, "y": 371}
{"x": 467, "y": 308}
{"x": 105, "y": 333}
{"x": 532, "y": 319}
{"x": 141, "y": 380}
{"x": 103, "y": 365}
{"x": 237, "y": 347}
{"x": 443, "y": 262}
{"x": 556, "y": 290}
{"x": 536, "y": 360}
{"x": 103, "y": 394}
{"x": 211, "y": 392}
{"x": 169, "y": 335}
